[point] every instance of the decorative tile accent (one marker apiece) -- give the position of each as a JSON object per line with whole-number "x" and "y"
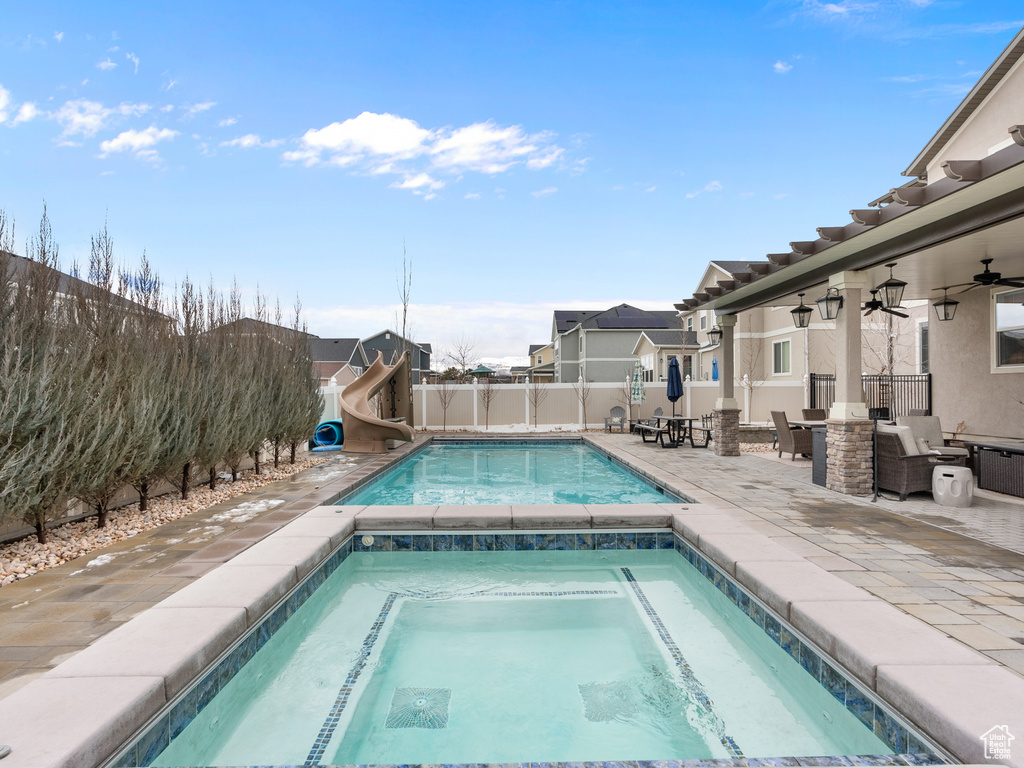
{"x": 692, "y": 684}
{"x": 419, "y": 708}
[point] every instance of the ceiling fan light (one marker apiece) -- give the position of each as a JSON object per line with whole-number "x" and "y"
{"x": 945, "y": 309}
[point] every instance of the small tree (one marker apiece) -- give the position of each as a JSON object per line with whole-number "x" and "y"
{"x": 537, "y": 394}
{"x": 583, "y": 393}
{"x": 445, "y": 394}
{"x": 487, "y": 393}
{"x": 460, "y": 353}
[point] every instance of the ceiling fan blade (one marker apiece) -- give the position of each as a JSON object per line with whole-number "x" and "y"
{"x": 1010, "y": 283}
{"x": 869, "y": 312}
{"x": 958, "y": 285}
{"x": 965, "y": 290}
{"x": 894, "y": 312}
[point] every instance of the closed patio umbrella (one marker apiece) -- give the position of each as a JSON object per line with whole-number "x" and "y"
{"x": 675, "y": 383}
{"x": 637, "y": 392}
{"x": 714, "y": 368}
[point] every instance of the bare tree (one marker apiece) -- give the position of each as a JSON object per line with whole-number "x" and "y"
{"x": 446, "y": 389}
{"x": 486, "y": 392}
{"x": 537, "y": 394}
{"x": 583, "y": 393}
{"x": 404, "y": 298}
{"x": 460, "y": 353}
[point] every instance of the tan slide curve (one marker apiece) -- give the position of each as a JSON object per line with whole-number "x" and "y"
{"x": 365, "y": 432}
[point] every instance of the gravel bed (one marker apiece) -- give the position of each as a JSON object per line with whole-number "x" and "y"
{"x": 26, "y": 557}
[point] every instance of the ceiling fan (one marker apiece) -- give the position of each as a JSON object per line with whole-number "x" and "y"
{"x": 876, "y": 303}
{"x": 988, "y": 278}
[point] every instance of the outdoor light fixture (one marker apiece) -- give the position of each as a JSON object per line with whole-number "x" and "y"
{"x": 830, "y": 304}
{"x": 891, "y": 290}
{"x": 802, "y": 314}
{"x": 946, "y": 308}
{"x": 715, "y": 335}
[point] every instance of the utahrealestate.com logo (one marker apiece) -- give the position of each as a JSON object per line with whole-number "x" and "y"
{"x": 997, "y": 742}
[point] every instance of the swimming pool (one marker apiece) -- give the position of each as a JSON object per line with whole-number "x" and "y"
{"x": 509, "y": 472}
{"x": 608, "y": 654}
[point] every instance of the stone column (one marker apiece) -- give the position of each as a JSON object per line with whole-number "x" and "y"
{"x": 727, "y": 411}
{"x": 849, "y": 439}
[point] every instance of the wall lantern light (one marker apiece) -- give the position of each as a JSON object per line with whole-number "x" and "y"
{"x": 802, "y": 314}
{"x": 946, "y": 308}
{"x": 891, "y": 290}
{"x": 830, "y": 304}
{"x": 715, "y": 335}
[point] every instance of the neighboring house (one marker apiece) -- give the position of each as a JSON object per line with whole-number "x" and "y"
{"x": 392, "y": 345}
{"x": 339, "y": 359}
{"x": 248, "y": 325}
{"x": 598, "y": 345}
{"x": 519, "y": 374}
{"x": 769, "y": 348}
{"x": 948, "y": 232}
{"x": 542, "y": 362}
{"x": 654, "y": 349}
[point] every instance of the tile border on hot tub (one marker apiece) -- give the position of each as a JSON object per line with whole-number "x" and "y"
{"x": 910, "y": 747}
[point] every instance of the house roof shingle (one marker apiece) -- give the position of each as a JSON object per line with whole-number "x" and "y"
{"x": 622, "y": 317}
{"x": 333, "y": 350}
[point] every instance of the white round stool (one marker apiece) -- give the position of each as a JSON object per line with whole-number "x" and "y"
{"x": 952, "y": 486}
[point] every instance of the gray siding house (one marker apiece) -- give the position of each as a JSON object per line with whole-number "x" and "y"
{"x": 599, "y": 344}
{"x": 392, "y": 345}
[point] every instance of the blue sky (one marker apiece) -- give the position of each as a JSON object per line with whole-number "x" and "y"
{"x": 527, "y": 156}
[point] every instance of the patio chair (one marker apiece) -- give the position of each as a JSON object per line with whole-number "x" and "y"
{"x": 706, "y": 430}
{"x": 791, "y": 440}
{"x": 814, "y": 414}
{"x": 898, "y": 470}
{"x": 928, "y": 430}
{"x": 617, "y": 418}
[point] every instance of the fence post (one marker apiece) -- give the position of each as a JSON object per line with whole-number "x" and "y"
{"x": 526, "y": 401}
{"x": 746, "y": 397}
{"x": 423, "y": 391}
{"x": 476, "y": 421}
{"x": 579, "y": 404}
{"x": 689, "y": 412}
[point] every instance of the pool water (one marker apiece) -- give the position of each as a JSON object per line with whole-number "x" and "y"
{"x": 567, "y": 473}
{"x": 499, "y": 657}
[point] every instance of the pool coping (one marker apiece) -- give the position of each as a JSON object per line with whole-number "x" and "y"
{"x": 108, "y": 692}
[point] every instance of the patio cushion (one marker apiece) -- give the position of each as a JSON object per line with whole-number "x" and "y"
{"x": 927, "y": 427}
{"x": 923, "y": 447}
{"x": 906, "y": 438}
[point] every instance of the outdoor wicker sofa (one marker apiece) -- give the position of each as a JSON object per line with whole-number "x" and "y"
{"x": 901, "y": 472}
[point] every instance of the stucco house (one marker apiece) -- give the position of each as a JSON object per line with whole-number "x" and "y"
{"x": 654, "y": 350}
{"x": 953, "y": 234}
{"x": 599, "y": 344}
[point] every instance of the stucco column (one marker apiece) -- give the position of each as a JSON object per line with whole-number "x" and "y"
{"x": 849, "y": 403}
{"x": 849, "y": 467}
{"x": 727, "y": 411}
{"x": 727, "y": 384}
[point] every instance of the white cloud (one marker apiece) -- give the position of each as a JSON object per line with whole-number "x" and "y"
{"x": 546, "y": 192}
{"x": 194, "y": 109}
{"x": 651, "y": 189}
{"x": 782, "y": 67}
{"x": 369, "y": 134}
{"x": 58, "y": 36}
{"x": 711, "y": 186}
{"x": 167, "y": 108}
{"x": 114, "y": 49}
{"x": 5, "y": 99}
{"x": 471, "y": 196}
{"x": 418, "y": 181}
{"x": 227, "y": 121}
{"x": 106, "y": 65}
{"x": 381, "y": 144}
{"x": 141, "y": 143}
{"x": 26, "y": 112}
{"x": 251, "y": 140}
{"x": 134, "y": 60}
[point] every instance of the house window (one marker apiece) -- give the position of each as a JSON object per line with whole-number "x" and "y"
{"x": 688, "y": 367}
{"x": 1009, "y": 335}
{"x": 780, "y": 357}
{"x": 703, "y": 322}
{"x": 538, "y": 360}
{"x": 647, "y": 361}
{"x": 924, "y": 348}
{"x": 689, "y": 323}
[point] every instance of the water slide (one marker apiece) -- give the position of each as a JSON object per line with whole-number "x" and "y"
{"x": 365, "y": 432}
